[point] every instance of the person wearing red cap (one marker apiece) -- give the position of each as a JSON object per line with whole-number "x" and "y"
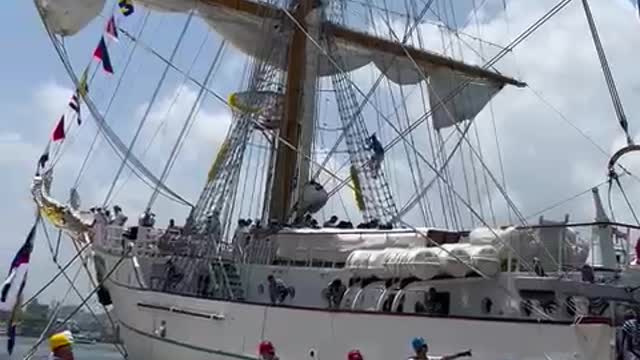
{"x": 267, "y": 351}
{"x": 354, "y": 355}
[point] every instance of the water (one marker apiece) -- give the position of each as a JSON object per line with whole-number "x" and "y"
{"x": 81, "y": 352}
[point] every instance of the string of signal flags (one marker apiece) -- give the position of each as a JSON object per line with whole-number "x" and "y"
{"x": 101, "y": 54}
{"x": 13, "y": 286}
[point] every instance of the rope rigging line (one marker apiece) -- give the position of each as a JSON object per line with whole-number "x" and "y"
{"x": 77, "y": 114}
{"x": 521, "y": 260}
{"x": 503, "y": 192}
{"x": 54, "y": 278}
{"x": 148, "y": 109}
{"x": 604, "y": 64}
{"x": 216, "y": 67}
{"x": 171, "y": 65}
{"x": 52, "y": 319}
{"x": 431, "y": 141}
{"x": 508, "y": 292}
{"x": 466, "y": 185}
{"x": 481, "y": 55}
{"x": 366, "y": 97}
{"x": 562, "y": 202}
{"x": 86, "y": 299}
{"x": 614, "y": 177}
{"x": 415, "y": 179}
{"x": 612, "y": 164}
{"x": 449, "y": 198}
{"x": 167, "y": 113}
{"x": 447, "y": 39}
{"x": 485, "y": 179}
{"x": 145, "y": 175}
{"x": 189, "y": 120}
{"x": 452, "y": 190}
{"x": 111, "y": 101}
{"x": 518, "y": 40}
{"x": 77, "y": 292}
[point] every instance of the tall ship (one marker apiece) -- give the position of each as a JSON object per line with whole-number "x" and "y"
{"x": 349, "y": 204}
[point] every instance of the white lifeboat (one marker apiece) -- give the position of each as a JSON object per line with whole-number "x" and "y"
{"x": 358, "y": 263}
{"x": 425, "y": 263}
{"x": 506, "y": 241}
{"x": 454, "y": 260}
{"x": 485, "y": 258}
{"x": 422, "y": 263}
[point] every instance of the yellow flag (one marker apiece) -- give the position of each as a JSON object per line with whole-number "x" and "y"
{"x": 357, "y": 190}
{"x": 83, "y": 88}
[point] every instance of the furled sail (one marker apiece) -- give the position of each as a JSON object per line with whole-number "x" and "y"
{"x": 459, "y": 91}
{"x": 59, "y": 215}
{"x": 68, "y": 17}
{"x": 454, "y": 97}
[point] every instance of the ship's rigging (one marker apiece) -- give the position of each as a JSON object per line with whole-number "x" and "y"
{"x": 221, "y": 183}
{"x": 226, "y": 173}
{"x": 425, "y": 8}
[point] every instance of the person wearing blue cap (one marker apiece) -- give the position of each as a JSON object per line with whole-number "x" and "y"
{"x": 421, "y": 348}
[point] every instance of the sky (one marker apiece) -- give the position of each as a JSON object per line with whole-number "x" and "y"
{"x": 555, "y": 136}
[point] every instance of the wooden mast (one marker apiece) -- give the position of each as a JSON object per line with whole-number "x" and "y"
{"x": 286, "y": 157}
{"x": 286, "y": 175}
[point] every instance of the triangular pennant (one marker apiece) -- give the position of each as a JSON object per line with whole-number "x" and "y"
{"x": 112, "y": 29}
{"x": 102, "y": 54}
{"x": 44, "y": 157}
{"x": 11, "y": 290}
{"x": 74, "y": 104}
{"x": 58, "y": 132}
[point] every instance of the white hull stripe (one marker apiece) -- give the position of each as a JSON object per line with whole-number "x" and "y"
{"x": 596, "y": 319}
{"x": 182, "y": 311}
{"x": 185, "y": 345}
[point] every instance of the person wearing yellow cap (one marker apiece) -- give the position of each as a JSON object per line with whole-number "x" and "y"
{"x": 60, "y": 346}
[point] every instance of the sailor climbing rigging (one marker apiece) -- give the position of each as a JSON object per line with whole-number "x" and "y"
{"x": 376, "y": 147}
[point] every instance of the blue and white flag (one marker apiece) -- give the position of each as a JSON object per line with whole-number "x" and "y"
{"x": 13, "y": 286}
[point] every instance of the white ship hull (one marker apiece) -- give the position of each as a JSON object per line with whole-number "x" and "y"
{"x": 210, "y": 329}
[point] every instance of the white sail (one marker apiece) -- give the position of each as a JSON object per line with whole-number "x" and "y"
{"x": 453, "y": 100}
{"x": 68, "y": 17}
